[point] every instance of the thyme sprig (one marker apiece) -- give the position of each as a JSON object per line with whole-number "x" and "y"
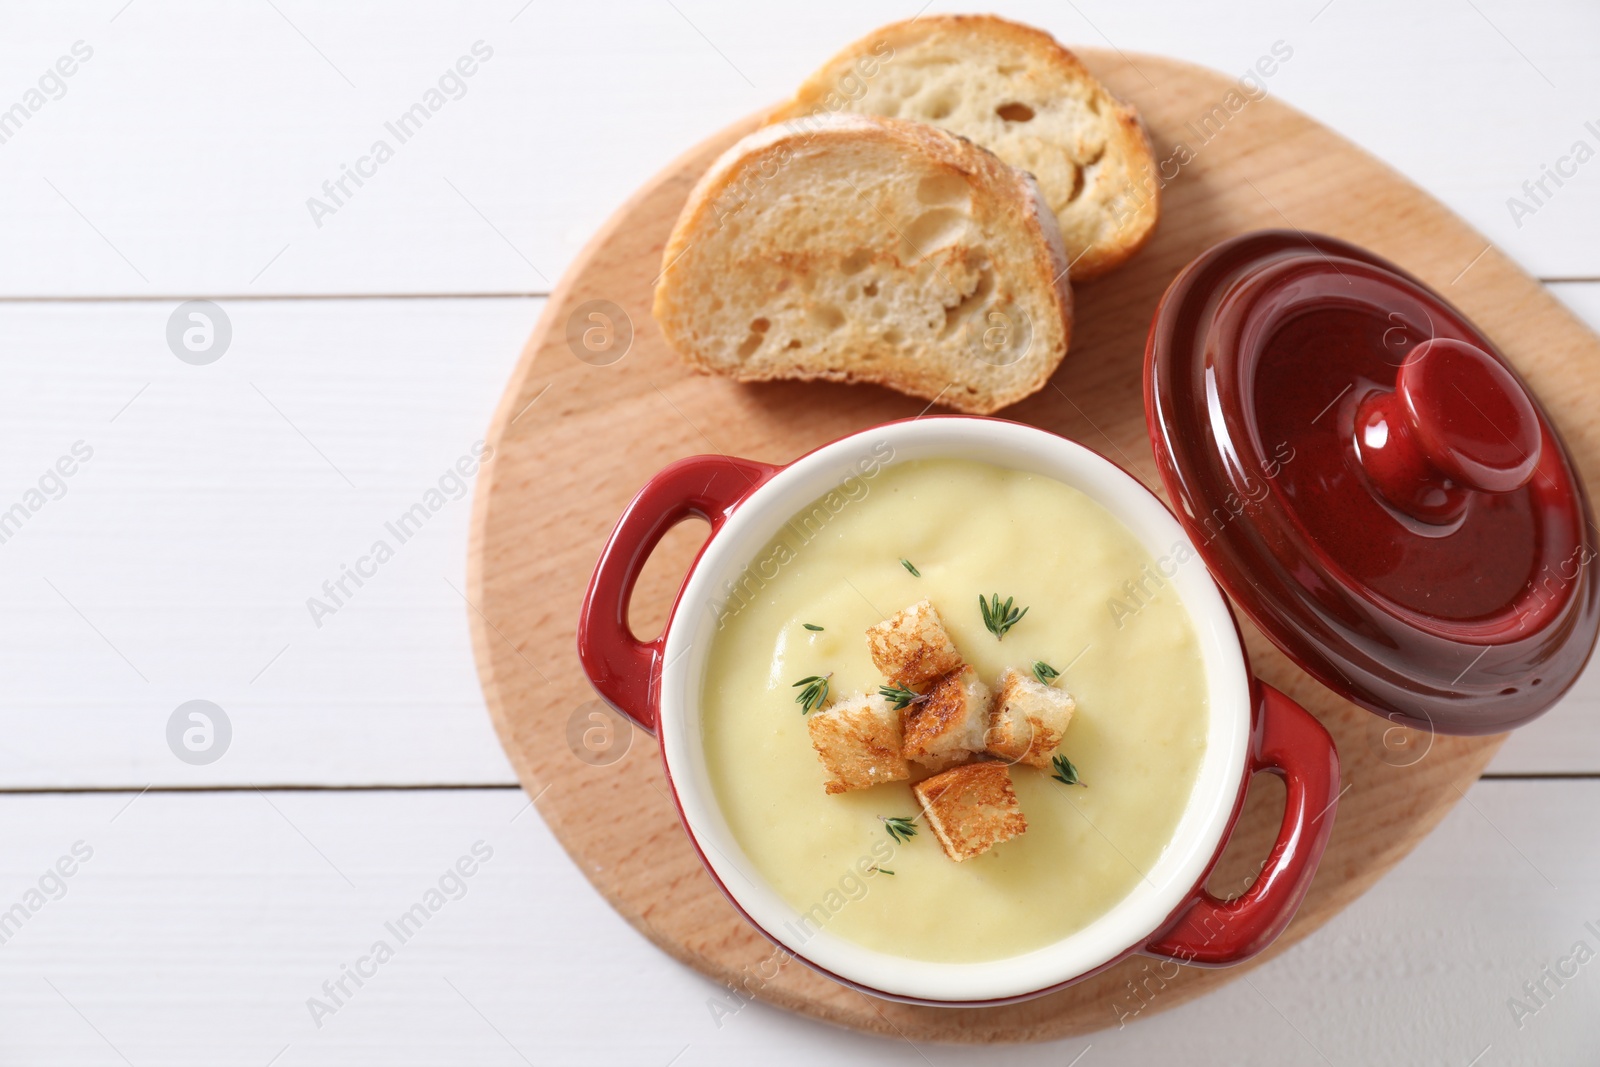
{"x": 900, "y": 828}
{"x": 814, "y": 694}
{"x": 1044, "y": 672}
{"x": 1065, "y": 772}
{"x": 899, "y": 696}
{"x": 998, "y": 617}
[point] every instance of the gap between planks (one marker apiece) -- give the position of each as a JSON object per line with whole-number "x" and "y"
{"x": 162, "y": 298}
{"x": 419, "y": 787}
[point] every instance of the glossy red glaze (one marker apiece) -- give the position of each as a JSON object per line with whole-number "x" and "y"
{"x": 1287, "y": 741}
{"x": 1456, "y": 422}
{"x": 1473, "y": 419}
{"x": 1371, "y": 482}
{"x": 624, "y": 670}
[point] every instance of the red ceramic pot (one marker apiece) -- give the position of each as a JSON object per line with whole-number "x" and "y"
{"x": 1253, "y": 728}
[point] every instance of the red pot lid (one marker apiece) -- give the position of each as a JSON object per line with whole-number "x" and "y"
{"x": 1372, "y": 483}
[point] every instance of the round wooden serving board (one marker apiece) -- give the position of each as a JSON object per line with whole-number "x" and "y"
{"x": 572, "y": 441}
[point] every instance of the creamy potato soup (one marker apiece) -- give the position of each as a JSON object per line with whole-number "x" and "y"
{"x": 1098, "y": 612}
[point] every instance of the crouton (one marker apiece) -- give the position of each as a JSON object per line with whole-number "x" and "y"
{"x": 911, "y": 646}
{"x": 948, "y": 724}
{"x": 971, "y": 809}
{"x": 858, "y": 740}
{"x": 1028, "y": 721}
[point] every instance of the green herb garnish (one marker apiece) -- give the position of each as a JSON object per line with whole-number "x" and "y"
{"x": 1044, "y": 672}
{"x": 901, "y": 829}
{"x": 814, "y": 693}
{"x": 907, "y": 564}
{"x": 899, "y": 696}
{"x": 1066, "y": 773}
{"x": 998, "y": 617}
{"x": 880, "y": 870}
{"x": 813, "y": 627}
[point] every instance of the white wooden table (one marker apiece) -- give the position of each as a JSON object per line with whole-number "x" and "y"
{"x": 209, "y": 903}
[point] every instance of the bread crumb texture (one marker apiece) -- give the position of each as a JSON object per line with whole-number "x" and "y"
{"x": 858, "y": 249}
{"x": 1016, "y": 91}
{"x": 1029, "y": 720}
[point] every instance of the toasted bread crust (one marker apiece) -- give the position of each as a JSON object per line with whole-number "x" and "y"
{"x": 971, "y": 808}
{"x": 1127, "y": 163}
{"x": 1006, "y": 193}
{"x": 912, "y": 646}
{"x": 948, "y": 724}
{"x": 858, "y": 741}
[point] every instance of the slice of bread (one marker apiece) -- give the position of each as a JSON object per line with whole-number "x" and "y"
{"x": 1015, "y": 91}
{"x": 858, "y": 740}
{"x": 971, "y": 809}
{"x": 857, "y": 249}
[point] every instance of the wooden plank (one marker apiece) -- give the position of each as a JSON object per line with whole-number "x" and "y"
{"x": 550, "y": 497}
{"x": 1564, "y": 740}
{"x": 177, "y": 562}
{"x": 202, "y": 924}
{"x": 181, "y": 157}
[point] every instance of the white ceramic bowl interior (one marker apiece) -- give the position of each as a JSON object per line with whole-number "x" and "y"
{"x": 1005, "y": 444}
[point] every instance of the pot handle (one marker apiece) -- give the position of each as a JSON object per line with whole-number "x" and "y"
{"x": 1287, "y": 741}
{"x": 624, "y": 670}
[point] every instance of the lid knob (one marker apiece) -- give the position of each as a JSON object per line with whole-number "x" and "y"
{"x": 1457, "y": 422}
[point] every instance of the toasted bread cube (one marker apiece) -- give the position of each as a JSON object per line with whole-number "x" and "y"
{"x": 1029, "y": 720}
{"x": 911, "y": 646}
{"x": 949, "y": 724}
{"x": 858, "y": 740}
{"x": 971, "y": 808}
